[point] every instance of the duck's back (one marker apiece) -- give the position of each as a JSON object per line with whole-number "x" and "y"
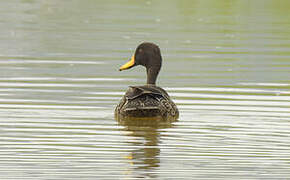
{"x": 146, "y": 101}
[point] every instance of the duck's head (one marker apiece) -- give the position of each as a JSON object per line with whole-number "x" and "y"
{"x": 148, "y": 55}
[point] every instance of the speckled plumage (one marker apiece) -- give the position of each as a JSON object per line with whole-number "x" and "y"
{"x": 146, "y": 101}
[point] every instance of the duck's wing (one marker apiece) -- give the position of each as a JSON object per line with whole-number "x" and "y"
{"x": 136, "y": 91}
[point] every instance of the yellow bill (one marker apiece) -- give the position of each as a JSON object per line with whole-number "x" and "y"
{"x": 128, "y": 64}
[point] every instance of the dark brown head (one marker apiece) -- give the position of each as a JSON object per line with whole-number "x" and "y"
{"x": 148, "y": 55}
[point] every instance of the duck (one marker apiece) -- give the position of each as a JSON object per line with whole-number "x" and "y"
{"x": 150, "y": 100}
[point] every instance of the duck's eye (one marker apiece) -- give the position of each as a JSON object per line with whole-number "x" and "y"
{"x": 140, "y": 50}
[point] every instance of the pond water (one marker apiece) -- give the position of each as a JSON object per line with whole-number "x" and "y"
{"x": 226, "y": 66}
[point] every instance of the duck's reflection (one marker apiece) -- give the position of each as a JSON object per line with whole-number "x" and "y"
{"x": 144, "y": 157}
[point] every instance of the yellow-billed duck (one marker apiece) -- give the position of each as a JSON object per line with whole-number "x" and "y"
{"x": 148, "y": 100}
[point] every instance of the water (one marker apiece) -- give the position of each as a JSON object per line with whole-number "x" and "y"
{"x": 226, "y": 65}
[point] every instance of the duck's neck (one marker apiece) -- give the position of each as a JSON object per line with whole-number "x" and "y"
{"x": 152, "y": 74}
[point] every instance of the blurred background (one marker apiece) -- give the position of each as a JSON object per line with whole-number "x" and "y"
{"x": 225, "y": 64}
